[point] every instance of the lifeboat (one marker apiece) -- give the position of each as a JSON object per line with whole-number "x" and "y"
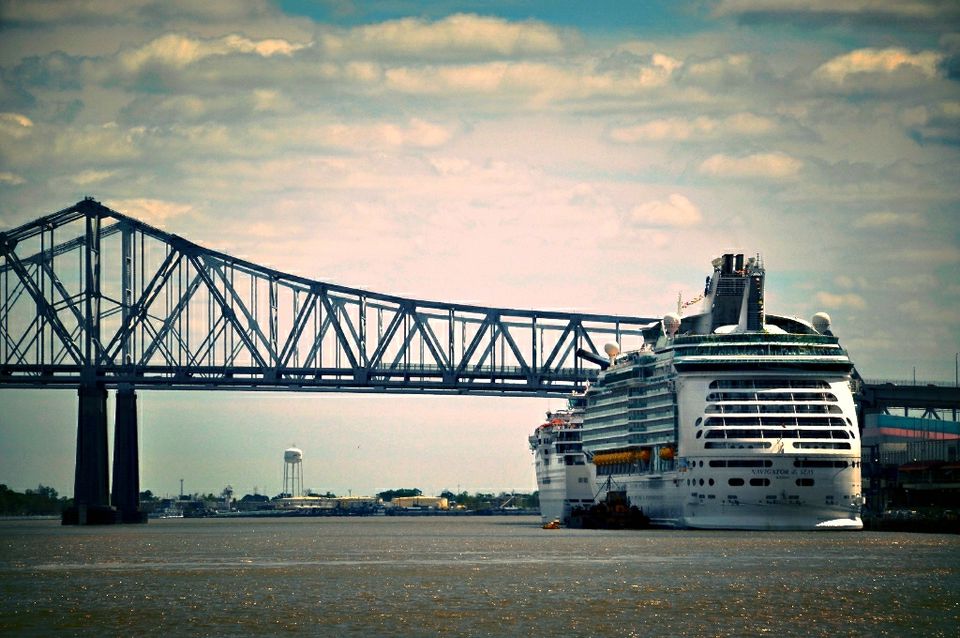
{"x": 628, "y": 456}
{"x": 666, "y": 453}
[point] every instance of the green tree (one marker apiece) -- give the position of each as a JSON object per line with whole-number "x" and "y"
{"x": 39, "y": 502}
{"x": 389, "y": 495}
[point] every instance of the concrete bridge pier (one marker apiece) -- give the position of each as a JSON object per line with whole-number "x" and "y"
{"x": 91, "y": 493}
{"x": 126, "y": 458}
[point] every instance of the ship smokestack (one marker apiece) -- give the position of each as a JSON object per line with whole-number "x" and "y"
{"x": 727, "y": 264}
{"x": 739, "y": 265}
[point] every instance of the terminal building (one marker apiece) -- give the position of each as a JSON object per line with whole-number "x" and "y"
{"x": 911, "y": 462}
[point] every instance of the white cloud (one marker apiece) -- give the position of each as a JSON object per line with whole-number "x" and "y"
{"x": 938, "y": 121}
{"x": 459, "y": 33}
{"x": 680, "y": 129}
{"x": 927, "y": 255}
{"x": 889, "y": 219}
{"x": 415, "y": 133}
{"x": 879, "y": 61}
{"x": 15, "y": 125}
{"x": 150, "y": 211}
{"x": 59, "y": 11}
{"x": 539, "y": 80}
{"x": 13, "y": 179}
{"x": 86, "y": 177}
{"x": 735, "y": 66}
{"x": 916, "y": 9}
{"x": 177, "y": 51}
{"x": 677, "y": 210}
{"x": 759, "y": 165}
{"x": 846, "y": 300}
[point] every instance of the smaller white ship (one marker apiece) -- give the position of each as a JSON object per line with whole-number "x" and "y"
{"x": 563, "y": 476}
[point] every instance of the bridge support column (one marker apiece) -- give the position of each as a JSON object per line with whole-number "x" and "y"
{"x": 91, "y": 492}
{"x": 126, "y": 458}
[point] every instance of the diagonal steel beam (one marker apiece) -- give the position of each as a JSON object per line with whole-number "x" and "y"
{"x": 169, "y": 320}
{"x": 18, "y": 348}
{"x": 44, "y": 308}
{"x": 318, "y": 341}
{"x": 485, "y": 323}
{"x": 556, "y": 349}
{"x": 432, "y": 342}
{"x": 230, "y": 313}
{"x": 299, "y": 323}
{"x": 376, "y": 358}
{"x": 524, "y": 366}
{"x": 140, "y": 309}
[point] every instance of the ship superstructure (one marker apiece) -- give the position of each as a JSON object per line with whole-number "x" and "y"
{"x": 564, "y": 480}
{"x": 730, "y": 418}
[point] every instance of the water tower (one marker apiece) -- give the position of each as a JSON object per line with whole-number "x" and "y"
{"x": 293, "y": 472}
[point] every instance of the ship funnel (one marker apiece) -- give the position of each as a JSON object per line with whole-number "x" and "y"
{"x": 727, "y": 264}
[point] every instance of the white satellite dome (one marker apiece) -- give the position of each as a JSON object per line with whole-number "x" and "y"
{"x": 293, "y": 455}
{"x": 821, "y": 322}
{"x": 671, "y": 323}
{"x": 612, "y": 349}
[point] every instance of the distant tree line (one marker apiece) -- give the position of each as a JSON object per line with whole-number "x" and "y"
{"x": 485, "y": 500}
{"x": 389, "y": 495}
{"x": 477, "y": 501}
{"x": 43, "y": 501}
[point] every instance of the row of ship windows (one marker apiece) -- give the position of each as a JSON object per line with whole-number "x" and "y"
{"x": 611, "y": 423}
{"x": 763, "y": 445}
{"x": 772, "y": 396}
{"x": 755, "y": 349}
{"x": 733, "y": 433}
{"x": 627, "y": 468}
{"x": 768, "y": 463}
{"x": 768, "y": 384}
{"x": 622, "y": 401}
{"x": 773, "y": 408}
{"x": 770, "y": 498}
{"x": 754, "y": 482}
{"x": 774, "y": 421}
{"x": 634, "y": 412}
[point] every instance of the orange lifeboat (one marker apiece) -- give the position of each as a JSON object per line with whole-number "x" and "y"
{"x": 666, "y": 453}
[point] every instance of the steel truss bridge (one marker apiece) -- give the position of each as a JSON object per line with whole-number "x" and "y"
{"x": 92, "y": 299}
{"x": 88, "y": 295}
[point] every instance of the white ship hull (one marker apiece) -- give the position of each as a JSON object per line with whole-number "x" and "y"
{"x": 677, "y": 500}
{"x": 563, "y": 488}
{"x": 564, "y": 479}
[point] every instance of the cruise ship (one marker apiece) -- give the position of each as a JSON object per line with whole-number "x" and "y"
{"x": 731, "y": 418}
{"x": 563, "y": 478}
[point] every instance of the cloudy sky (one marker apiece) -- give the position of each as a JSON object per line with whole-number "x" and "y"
{"x": 539, "y": 154}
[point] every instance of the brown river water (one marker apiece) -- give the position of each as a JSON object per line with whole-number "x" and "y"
{"x": 468, "y": 576}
